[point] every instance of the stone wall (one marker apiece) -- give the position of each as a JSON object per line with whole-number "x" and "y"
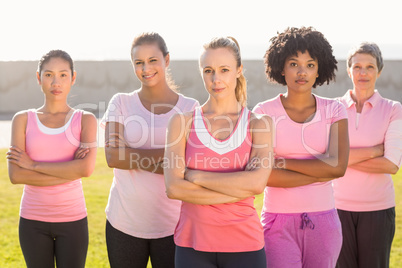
{"x": 98, "y": 81}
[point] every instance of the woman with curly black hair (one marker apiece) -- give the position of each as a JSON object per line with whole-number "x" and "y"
{"x": 301, "y": 225}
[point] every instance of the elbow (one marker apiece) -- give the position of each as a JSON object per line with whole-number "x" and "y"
{"x": 171, "y": 193}
{"x": 14, "y": 179}
{"x": 109, "y": 161}
{"x": 394, "y": 169}
{"x": 13, "y": 175}
{"x": 86, "y": 172}
{"x": 338, "y": 171}
{"x": 258, "y": 189}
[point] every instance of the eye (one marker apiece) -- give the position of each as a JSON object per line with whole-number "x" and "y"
{"x": 293, "y": 64}
{"x": 138, "y": 62}
{"x": 356, "y": 67}
{"x": 207, "y": 71}
{"x": 152, "y": 60}
{"x": 224, "y": 70}
{"x": 47, "y": 75}
{"x": 311, "y": 65}
{"x": 63, "y": 75}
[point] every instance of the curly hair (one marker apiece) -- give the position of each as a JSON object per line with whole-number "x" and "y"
{"x": 303, "y": 39}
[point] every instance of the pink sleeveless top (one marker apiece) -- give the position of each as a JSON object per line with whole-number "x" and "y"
{"x": 59, "y": 203}
{"x": 230, "y": 227}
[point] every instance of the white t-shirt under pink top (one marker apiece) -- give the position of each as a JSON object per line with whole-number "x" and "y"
{"x": 380, "y": 122}
{"x": 301, "y": 141}
{"x": 138, "y": 204}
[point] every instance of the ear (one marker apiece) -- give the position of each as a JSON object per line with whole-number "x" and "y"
{"x": 349, "y": 74}
{"x": 239, "y": 71}
{"x": 73, "y": 78}
{"x": 38, "y": 78}
{"x": 167, "y": 60}
{"x": 378, "y": 75}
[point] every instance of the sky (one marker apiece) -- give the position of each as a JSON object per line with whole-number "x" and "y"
{"x": 104, "y": 30}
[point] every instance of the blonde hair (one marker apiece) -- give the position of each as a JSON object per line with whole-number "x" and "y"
{"x": 231, "y": 44}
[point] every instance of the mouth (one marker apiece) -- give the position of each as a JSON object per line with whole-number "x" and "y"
{"x": 149, "y": 76}
{"x": 217, "y": 90}
{"x": 301, "y": 81}
{"x": 56, "y": 92}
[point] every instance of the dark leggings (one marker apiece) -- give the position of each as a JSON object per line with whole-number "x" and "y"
{"x": 367, "y": 238}
{"x": 128, "y": 251}
{"x": 188, "y": 257}
{"x": 44, "y": 242}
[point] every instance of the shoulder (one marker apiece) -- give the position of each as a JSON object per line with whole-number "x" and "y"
{"x": 260, "y": 121}
{"x": 21, "y": 116}
{"x": 187, "y": 103}
{"x": 265, "y": 106}
{"x": 121, "y": 96}
{"x": 88, "y": 119}
{"x": 181, "y": 118}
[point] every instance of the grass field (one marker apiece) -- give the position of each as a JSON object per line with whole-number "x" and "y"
{"x": 96, "y": 189}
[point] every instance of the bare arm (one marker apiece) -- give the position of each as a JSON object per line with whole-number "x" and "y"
{"x": 357, "y": 155}
{"x": 331, "y": 165}
{"x": 17, "y": 174}
{"x": 174, "y": 167}
{"x": 119, "y": 155}
{"x": 376, "y": 165}
{"x": 252, "y": 181}
{"x": 70, "y": 170}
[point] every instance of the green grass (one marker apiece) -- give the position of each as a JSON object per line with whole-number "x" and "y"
{"x": 96, "y": 189}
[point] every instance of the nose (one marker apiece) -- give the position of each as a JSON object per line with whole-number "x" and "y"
{"x": 56, "y": 81}
{"x": 145, "y": 67}
{"x": 216, "y": 77}
{"x": 301, "y": 71}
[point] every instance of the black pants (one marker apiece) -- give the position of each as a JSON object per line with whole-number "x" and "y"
{"x": 367, "y": 238}
{"x": 44, "y": 242}
{"x": 126, "y": 251}
{"x": 188, "y": 257}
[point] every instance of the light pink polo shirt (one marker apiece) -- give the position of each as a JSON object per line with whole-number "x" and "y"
{"x": 301, "y": 141}
{"x": 380, "y": 122}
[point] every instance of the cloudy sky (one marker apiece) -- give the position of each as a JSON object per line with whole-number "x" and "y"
{"x": 103, "y": 30}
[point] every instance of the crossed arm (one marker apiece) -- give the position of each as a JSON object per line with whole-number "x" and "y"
{"x": 328, "y": 166}
{"x": 23, "y": 170}
{"x": 120, "y": 155}
{"x": 207, "y": 188}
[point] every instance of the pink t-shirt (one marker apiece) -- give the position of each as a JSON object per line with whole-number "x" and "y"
{"x": 138, "y": 204}
{"x": 380, "y": 122}
{"x": 301, "y": 141}
{"x": 59, "y": 203}
{"x": 229, "y": 227}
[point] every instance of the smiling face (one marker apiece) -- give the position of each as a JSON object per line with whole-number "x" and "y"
{"x": 149, "y": 64}
{"x": 56, "y": 78}
{"x": 220, "y": 72}
{"x": 300, "y": 72}
{"x": 364, "y": 72}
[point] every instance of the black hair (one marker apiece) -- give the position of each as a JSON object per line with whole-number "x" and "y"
{"x": 303, "y": 39}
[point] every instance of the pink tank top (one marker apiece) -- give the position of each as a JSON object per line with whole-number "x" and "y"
{"x": 59, "y": 203}
{"x": 230, "y": 227}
